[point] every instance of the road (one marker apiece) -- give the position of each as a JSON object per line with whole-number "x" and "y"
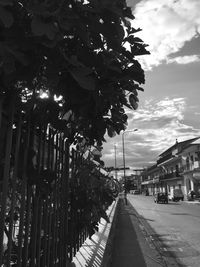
{"x": 173, "y": 228}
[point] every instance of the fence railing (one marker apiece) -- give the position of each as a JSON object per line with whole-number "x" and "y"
{"x": 42, "y": 211}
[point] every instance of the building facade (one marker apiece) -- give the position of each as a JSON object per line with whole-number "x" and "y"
{"x": 176, "y": 168}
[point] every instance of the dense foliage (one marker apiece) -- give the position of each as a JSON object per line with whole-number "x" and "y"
{"x": 82, "y": 50}
{"x": 91, "y": 193}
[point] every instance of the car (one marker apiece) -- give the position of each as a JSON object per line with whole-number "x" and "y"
{"x": 161, "y": 198}
{"x": 176, "y": 195}
{"x": 136, "y": 192}
{"x": 191, "y": 195}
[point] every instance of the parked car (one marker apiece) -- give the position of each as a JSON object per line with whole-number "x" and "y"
{"x": 135, "y": 192}
{"x": 161, "y": 198}
{"x": 191, "y": 195}
{"x": 176, "y": 195}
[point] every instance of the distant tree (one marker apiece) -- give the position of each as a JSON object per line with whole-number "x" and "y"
{"x": 82, "y": 50}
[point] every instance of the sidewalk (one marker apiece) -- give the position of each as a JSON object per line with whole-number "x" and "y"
{"x": 195, "y": 201}
{"x": 121, "y": 243}
{"x": 131, "y": 248}
{"x": 95, "y": 252}
{"x": 124, "y": 242}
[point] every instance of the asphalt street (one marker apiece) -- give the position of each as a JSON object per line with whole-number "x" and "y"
{"x": 173, "y": 228}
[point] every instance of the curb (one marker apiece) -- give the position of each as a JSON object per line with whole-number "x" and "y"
{"x": 95, "y": 251}
{"x": 146, "y": 229}
{"x": 107, "y": 256}
{"x": 148, "y": 236}
{"x": 192, "y": 202}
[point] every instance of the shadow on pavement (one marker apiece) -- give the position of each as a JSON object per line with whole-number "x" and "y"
{"x": 126, "y": 249}
{"x": 161, "y": 242}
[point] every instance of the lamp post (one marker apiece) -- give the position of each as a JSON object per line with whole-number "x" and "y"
{"x": 124, "y": 161}
{"x": 115, "y": 147}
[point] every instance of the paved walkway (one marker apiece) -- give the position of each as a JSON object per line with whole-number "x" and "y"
{"x": 131, "y": 246}
{"x": 124, "y": 242}
{"x": 92, "y": 253}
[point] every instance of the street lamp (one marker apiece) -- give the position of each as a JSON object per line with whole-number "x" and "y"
{"x": 124, "y": 162}
{"x": 115, "y": 147}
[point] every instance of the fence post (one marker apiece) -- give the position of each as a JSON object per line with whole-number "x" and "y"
{"x": 14, "y": 184}
{"x": 6, "y": 173}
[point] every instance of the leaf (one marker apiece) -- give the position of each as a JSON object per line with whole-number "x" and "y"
{"x": 40, "y": 28}
{"x": 6, "y": 17}
{"x": 128, "y": 13}
{"x": 135, "y": 72}
{"x": 81, "y": 75}
{"x": 6, "y": 2}
{"x": 111, "y": 131}
{"x": 39, "y": 9}
{"x": 9, "y": 65}
{"x": 132, "y": 40}
{"x": 132, "y": 101}
{"x": 18, "y": 55}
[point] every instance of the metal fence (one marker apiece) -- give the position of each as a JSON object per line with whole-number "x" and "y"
{"x": 42, "y": 217}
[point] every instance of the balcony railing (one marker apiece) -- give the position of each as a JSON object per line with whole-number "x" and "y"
{"x": 170, "y": 175}
{"x": 191, "y": 166}
{"x": 163, "y": 159}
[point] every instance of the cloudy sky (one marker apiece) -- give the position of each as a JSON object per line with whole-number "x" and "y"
{"x": 169, "y": 107}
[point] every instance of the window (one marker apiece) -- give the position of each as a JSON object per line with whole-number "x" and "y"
{"x": 177, "y": 170}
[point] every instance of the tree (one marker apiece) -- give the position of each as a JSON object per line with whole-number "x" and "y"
{"x": 76, "y": 49}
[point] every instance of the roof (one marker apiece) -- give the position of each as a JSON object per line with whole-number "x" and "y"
{"x": 182, "y": 144}
{"x": 195, "y": 142}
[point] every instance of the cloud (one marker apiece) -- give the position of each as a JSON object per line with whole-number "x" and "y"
{"x": 184, "y": 59}
{"x": 159, "y": 124}
{"x": 166, "y": 26}
{"x": 162, "y": 111}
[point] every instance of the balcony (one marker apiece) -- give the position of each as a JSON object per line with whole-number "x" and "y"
{"x": 192, "y": 166}
{"x": 163, "y": 159}
{"x": 170, "y": 175}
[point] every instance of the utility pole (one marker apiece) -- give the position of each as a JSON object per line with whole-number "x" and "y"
{"x": 124, "y": 162}
{"x": 115, "y": 147}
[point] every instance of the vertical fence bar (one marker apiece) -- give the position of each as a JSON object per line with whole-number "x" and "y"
{"x": 29, "y": 202}
{"x": 56, "y": 224}
{"x": 23, "y": 196}
{"x": 53, "y": 226}
{"x": 59, "y": 248}
{"x": 57, "y": 199}
{"x": 49, "y": 231}
{"x": 52, "y": 149}
{"x": 41, "y": 167}
{"x": 50, "y": 216}
{"x": 72, "y": 203}
{"x": 26, "y": 255}
{"x": 45, "y": 227}
{"x": 35, "y": 205}
{"x": 14, "y": 183}
{"x": 61, "y": 203}
{"x": 66, "y": 200}
{"x": 6, "y": 175}
{"x": 39, "y": 227}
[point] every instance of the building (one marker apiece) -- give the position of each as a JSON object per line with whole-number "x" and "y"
{"x": 150, "y": 180}
{"x": 190, "y": 169}
{"x": 177, "y": 167}
{"x": 133, "y": 181}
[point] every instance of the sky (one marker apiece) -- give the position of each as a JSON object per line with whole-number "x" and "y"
{"x": 169, "y": 107}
